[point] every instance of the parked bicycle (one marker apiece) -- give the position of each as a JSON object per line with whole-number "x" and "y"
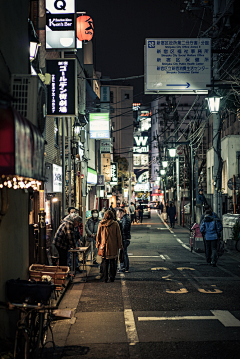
{"x": 32, "y": 329}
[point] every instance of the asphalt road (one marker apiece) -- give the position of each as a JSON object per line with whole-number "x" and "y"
{"x": 171, "y": 304}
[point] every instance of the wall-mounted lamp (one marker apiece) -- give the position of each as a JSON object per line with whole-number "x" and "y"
{"x": 162, "y": 172}
{"x": 164, "y": 164}
{"x": 172, "y": 152}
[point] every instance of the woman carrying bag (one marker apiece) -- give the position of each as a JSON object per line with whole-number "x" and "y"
{"x": 109, "y": 241}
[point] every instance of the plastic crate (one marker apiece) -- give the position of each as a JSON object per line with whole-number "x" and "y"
{"x": 58, "y": 273}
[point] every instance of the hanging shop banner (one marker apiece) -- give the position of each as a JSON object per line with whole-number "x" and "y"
{"x": 57, "y": 178}
{"x": 60, "y": 24}
{"x": 62, "y": 93}
{"x": 100, "y": 180}
{"x": 91, "y": 176}
{"x": 114, "y": 173}
{"x": 177, "y": 66}
{"x": 99, "y": 125}
{"x": 105, "y": 146}
{"x": 106, "y": 166}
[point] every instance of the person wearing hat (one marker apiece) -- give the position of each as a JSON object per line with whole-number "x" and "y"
{"x": 64, "y": 237}
{"x": 91, "y": 232}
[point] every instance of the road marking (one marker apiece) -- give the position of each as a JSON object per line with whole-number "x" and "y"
{"x": 166, "y": 256}
{"x": 144, "y": 256}
{"x": 161, "y": 228}
{"x": 179, "y": 241}
{"x": 223, "y": 316}
{"x": 130, "y": 325}
{"x": 149, "y": 225}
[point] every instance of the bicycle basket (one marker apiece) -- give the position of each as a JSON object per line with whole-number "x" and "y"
{"x": 19, "y": 291}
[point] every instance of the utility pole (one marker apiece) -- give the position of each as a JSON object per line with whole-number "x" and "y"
{"x": 63, "y": 168}
{"x": 69, "y": 162}
{"x": 217, "y": 174}
{"x": 130, "y": 179}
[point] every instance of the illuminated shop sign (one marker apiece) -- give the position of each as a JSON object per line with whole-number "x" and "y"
{"x": 141, "y": 144}
{"x": 62, "y": 91}
{"x": 99, "y": 125}
{"x": 114, "y": 173}
{"x": 60, "y": 6}
{"x": 140, "y": 160}
{"x": 105, "y": 146}
{"x": 85, "y": 28}
{"x": 57, "y": 178}
{"x": 91, "y": 176}
{"x": 143, "y": 178}
{"x": 60, "y": 24}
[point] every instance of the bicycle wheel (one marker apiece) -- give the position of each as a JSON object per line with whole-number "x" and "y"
{"x": 21, "y": 345}
{"x": 237, "y": 245}
{"x": 35, "y": 333}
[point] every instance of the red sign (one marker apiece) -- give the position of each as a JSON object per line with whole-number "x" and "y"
{"x": 84, "y": 28}
{"x": 180, "y": 151}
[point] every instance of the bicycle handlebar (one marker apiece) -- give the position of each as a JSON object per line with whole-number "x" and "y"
{"x": 28, "y": 306}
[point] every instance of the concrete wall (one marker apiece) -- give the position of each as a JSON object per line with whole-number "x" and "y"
{"x": 14, "y": 248}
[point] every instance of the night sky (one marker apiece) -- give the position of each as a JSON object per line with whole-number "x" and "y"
{"x": 121, "y": 28}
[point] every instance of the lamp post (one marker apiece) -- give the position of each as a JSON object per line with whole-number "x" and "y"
{"x": 214, "y": 104}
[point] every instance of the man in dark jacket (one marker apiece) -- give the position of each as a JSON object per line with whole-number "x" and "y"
{"x": 64, "y": 237}
{"x": 140, "y": 212}
{"x": 172, "y": 214}
{"x": 210, "y": 228}
{"x": 126, "y": 236}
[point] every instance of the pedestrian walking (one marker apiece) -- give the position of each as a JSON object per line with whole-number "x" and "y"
{"x": 140, "y": 212}
{"x": 91, "y": 232}
{"x": 126, "y": 236}
{"x": 210, "y": 228}
{"x": 161, "y": 208}
{"x": 172, "y": 214}
{"x": 132, "y": 212}
{"x": 109, "y": 236}
{"x": 167, "y": 208}
{"x": 64, "y": 237}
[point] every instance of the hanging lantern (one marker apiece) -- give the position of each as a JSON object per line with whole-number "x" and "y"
{"x": 84, "y": 28}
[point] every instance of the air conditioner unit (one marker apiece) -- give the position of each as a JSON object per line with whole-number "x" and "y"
{"x": 30, "y": 98}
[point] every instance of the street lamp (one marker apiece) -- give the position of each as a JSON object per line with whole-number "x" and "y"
{"x": 162, "y": 172}
{"x": 164, "y": 164}
{"x": 77, "y": 127}
{"x": 213, "y": 102}
{"x": 172, "y": 152}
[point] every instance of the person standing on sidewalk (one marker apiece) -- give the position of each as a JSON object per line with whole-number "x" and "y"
{"x": 172, "y": 214}
{"x": 140, "y": 212}
{"x": 91, "y": 232}
{"x": 64, "y": 237}
{"x": 210, "y": 228}
{"x": 126, "y": 236}
{"x": 110, "y": 236}
{"x": 132, "y": 212}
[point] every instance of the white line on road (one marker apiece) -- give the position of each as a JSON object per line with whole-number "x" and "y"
{"x": 144, "y": 256}
{"x": 179, "y": 240}
{"x": 224, "y": 316}
{"x": 130, "y": 325}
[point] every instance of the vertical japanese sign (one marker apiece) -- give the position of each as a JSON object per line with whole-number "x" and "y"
{"x": 106, "y": 166}
{"x": 60, "y": 24}
{"x": 178, "y": 65}
{"x": 62, "y": 92}
{"x": 114, "y": 173}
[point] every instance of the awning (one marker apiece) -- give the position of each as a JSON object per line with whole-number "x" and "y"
{"x": 21, "y": 146}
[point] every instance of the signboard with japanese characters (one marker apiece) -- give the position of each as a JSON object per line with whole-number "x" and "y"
{"x": 57, "y": 178}
{"x": 140, "y": 160}
{"x": 99, "y": 125}
{"x": 114, "y": 173}
{"x": 91, "y": 176}
{"x": 106, "y": 166}
{"x": 60, "y": 24}
{"x": 178, "y": 66}
{"x": 62, "y": 92}
{"x": 105, "y": 146}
